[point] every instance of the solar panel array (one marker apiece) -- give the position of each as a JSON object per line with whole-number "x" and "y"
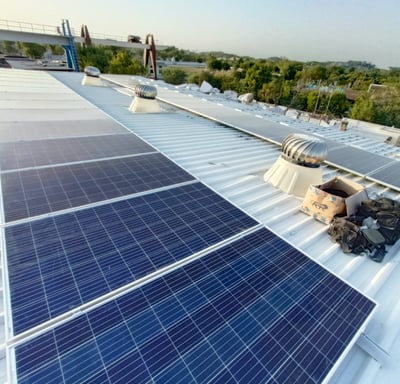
{"x": 253, "y": 311}
{"x": 122, "y": 268}
{"x": 34, "y": 192}
{"x": 24, "y": 154}
{"x": 64, "y": 261}
{"x": 359, "y": 161}
{"x": 24, "y": 130}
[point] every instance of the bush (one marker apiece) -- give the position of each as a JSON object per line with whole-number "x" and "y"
{"x": 174, "y": 76}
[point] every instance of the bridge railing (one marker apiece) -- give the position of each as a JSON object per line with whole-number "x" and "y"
{"x": 108, "y": 37}
{"x": 21, "y": 26}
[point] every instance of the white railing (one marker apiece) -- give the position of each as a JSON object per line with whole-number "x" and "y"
{"x": 108, "y": 37}
{"x": 21, "y": 26}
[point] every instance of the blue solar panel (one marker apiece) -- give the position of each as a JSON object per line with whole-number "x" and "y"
{"x": 27, "y": 154}
{"x": 256, "y": 310}
{"x": 58, "y": 263}
{"x": 39, "y": 191}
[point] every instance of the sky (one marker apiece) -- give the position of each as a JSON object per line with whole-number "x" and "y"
{"x": 304, "y": 30}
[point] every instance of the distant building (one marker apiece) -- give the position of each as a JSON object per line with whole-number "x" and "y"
{"x": 161, "y": 64}
{"x": 374, "y": 88}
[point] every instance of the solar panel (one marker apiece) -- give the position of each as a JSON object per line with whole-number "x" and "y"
{"x": 62, "y": 114}
{"x": 389, "y": 175}
{"x": 28, "y": 94}
{"x": 256, "y": 310}
{"x": 26, "y": 154}
{"x": 28, "y": 130}
{"x": 341, "y": 155}
{"x": 39, "y": 191}
{"x": 58, "y": 263}
{"x": 357, "y": 160}
{"x": 244, "y": 121}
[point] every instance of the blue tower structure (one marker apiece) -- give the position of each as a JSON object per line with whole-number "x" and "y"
{"x": 70, "y": 50}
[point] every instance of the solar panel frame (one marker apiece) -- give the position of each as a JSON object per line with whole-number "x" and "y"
{"x": 281, "y": 317}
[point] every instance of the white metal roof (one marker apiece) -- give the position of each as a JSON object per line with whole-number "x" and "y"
{"x": 233, "y": 164}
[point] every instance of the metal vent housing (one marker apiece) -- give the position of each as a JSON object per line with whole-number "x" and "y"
{"x": 305, "y": 150}
{"x": 92, "y": 71}
{"x": 145, "y": 91}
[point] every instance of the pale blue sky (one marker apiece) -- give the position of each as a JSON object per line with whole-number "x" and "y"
{"x": 297, "y": 29}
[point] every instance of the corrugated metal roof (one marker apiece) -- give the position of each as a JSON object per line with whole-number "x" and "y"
{"x": 233, "y": 163}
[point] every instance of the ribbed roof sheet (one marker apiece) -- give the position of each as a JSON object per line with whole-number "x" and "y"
{"x": 233, "y": 163}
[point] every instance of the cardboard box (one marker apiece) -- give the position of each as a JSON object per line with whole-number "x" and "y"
{"x": 323, "y": 202}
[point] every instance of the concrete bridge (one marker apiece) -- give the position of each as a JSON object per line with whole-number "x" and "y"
{"x": 66, "y": 37}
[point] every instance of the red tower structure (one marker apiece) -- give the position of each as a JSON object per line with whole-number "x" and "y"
{"x": 150, "y": 54}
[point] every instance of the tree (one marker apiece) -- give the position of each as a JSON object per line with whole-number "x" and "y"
{"x": 271, "y": 92}
{"x": 228, "y": 82}
{"x": 123, "y": 63}
{"x": 217, "y": 64}
{"x": 96, "y": 56}
{"x": 313, "y": 101}
{"x": 57, "y": 50}
{"x": 169, "y": 53}
{"x": 33, "y": 50}
{"x": 212, "y": 79}
{"x": 289, "y": 69}
{"x": 363, "y": 109}
{"x": 299, "y": 100}
{"x": 387, "y": 104}
{"x": 314, "y": 73}
{"x": 338, "y": 104}
{"x": 214, "y": 63}
{"x": 9, "y": 47}
{"x": 257, "y": 74}
{"x": 174, "y": 76}
{"x": 382, "y": 107}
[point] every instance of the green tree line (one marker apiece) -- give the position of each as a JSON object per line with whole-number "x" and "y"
{"x": 329, "y": 89}
{"x": 108, "y": 59}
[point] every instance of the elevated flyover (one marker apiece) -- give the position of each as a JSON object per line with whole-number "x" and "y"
{"x": 67, "y": 37}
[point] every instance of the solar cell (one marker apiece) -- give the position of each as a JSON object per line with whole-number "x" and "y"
{"x": 28, "y": 130}
{"x": 256, "y": 310}
{"x": 27, "y": 154}
{"x": 33, "y": 192}
{"x": 62, "y": 114}
{"x": 244, "y": 121}
{"x": 58, "y": 263}
{"x": 357, "y": 160}
{"x": 389, "y": 175}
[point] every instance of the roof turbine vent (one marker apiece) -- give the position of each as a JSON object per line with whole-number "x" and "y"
{"x": 92, "y": 76}
{"x": 298, "y": 165}
{"x": 306, "y": 150}
{"x": 145, "y": 91}
{"x": 145, "y": 99}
